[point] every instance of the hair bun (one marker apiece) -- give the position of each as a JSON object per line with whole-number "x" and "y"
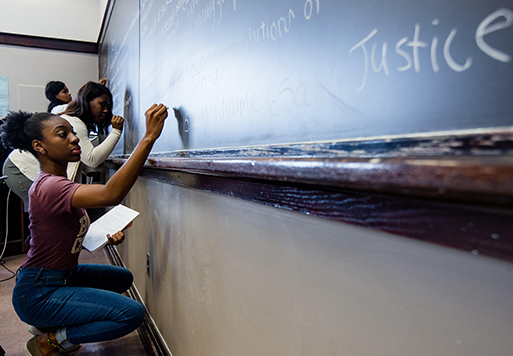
{"x": 12, "y": 130}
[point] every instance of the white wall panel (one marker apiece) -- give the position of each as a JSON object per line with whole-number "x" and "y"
{"x": 29, "y": 70}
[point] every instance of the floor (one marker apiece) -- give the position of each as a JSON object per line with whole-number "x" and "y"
{"x": 14, "y": 333}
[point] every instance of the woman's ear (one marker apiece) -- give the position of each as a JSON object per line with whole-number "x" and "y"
{"x": 38, "y": 147}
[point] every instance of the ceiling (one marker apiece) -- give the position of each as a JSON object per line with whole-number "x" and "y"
{"x": 78, "y": 20}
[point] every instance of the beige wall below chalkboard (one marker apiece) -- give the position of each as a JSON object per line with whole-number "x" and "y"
{"x": 230, "y": 277}
{"x": 29, "y": 69}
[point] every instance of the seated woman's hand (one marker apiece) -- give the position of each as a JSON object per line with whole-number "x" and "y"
{"x": 116, "y": 239}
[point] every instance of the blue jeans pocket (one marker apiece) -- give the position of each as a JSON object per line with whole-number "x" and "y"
{"x": 33, "y": 287}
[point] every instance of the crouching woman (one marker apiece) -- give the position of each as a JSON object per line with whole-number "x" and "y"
{"x": 65, "y": 302}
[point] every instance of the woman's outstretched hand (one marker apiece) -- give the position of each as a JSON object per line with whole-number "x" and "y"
{"x": 117, "y": 122}
{"x": 155, "y": 117}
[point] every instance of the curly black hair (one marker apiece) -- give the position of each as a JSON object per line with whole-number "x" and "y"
{"x": 19, "y": 128}
{"x": 80, "y": 107}
{"x": 51, "y": 90}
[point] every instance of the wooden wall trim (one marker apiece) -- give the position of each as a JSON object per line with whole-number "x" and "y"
{"x": 151, "y": 339}
{"x": 451, "y": 191}
{"x": 475, "y": 168}
{"x": 475, "y": 179}
{"x": 476, "y": 229}
{"x": 48, "y": 43}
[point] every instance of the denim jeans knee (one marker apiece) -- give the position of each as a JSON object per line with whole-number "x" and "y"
{"x": 49, "y": 298}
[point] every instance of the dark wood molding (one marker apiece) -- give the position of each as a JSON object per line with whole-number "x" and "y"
{"x": 475, "y": 168}
{"x": 148, "y": 332}
{"x": 455, "y": 191}
{"x": 48, "y": 43}
{"x": 477, "y": 229}
{"x": 475, "y": 179}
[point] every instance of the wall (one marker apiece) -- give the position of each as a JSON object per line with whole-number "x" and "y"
{"x": 53, "y": 19}
{"x": 30, "y": 69}
{"x": 230, "y": 277}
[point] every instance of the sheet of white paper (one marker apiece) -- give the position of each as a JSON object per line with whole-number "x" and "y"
{"x": 116, "y": 219}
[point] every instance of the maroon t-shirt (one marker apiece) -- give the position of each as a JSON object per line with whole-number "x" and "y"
{"x": 56, "y": 229}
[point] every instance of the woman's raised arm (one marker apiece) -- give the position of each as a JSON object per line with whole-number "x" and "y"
{"x": 118, "y": 186}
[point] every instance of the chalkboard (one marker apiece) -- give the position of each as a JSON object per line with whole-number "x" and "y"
{"x": 119, "y": 63}
{"x": 241, "y": 72}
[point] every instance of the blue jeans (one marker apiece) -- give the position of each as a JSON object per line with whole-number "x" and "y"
{"x": 86, "y": 301}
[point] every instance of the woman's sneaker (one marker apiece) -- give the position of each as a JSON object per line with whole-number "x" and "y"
{"x": 32, "y": 348}
{"x": 35, "y": 331}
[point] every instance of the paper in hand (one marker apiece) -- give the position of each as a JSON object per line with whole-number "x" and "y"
{"x": 114, "y": 220}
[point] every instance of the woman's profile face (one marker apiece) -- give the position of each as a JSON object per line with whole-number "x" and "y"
{"x": 64, "y": 95}
{"x": 99, "y": 108}
{"x": 62, "y": 145}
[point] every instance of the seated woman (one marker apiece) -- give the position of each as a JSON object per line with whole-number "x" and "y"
{"x": 71, "y": 303}
{"x": 90, "y": 111}
{"x": 58, "y": 94}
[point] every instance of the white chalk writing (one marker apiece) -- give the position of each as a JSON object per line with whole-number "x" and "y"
{"x": 412, "y": 58}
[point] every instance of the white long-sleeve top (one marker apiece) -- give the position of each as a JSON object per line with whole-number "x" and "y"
{"x": 28, "y": 164}
{"x": 92, "y": 156}
{"x": 58, "y": 109}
